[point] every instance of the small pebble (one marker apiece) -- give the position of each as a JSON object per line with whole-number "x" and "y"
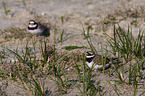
{"x": 43, "y": 13}
{"x": 14, "y": 60}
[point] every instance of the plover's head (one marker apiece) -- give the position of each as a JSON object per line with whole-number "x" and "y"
{"x": 32, "y": 22}
{"x": 32, "y": 25}
{"x": 90, "y": 54}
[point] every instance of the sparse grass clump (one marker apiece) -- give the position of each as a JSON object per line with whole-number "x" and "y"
{"x": 68, "y": 69}
{"x": 130, "y": 50}
{"x": 85, "y": 77}
{"x": 30, "y": 70}
{"x": 14, "y": 32}
{"x": 73, "y": 47}
{"x": 126, "y": 45}
{"x": 5, "y": 8}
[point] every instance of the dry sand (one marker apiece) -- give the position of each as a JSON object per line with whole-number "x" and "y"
{"x": 75, "y": 12}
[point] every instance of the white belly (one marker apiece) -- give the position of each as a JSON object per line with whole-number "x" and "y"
{"x": 96, "y": 67}
{"x": 37, "y": 31}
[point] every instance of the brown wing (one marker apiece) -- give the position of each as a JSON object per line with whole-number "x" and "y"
{"x": 41, "y": 26}
{"x": 46, "y": 30}
{"x": 98, "y": 59}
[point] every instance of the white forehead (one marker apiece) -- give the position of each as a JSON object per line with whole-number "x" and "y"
{"x": 90, "y": 56}
{"x": 31, "y": 21}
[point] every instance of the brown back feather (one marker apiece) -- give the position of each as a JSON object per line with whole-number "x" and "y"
{"x": 98, "y": 59}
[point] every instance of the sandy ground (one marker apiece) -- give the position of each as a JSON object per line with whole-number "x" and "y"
{"x": 75, "y": 12}
{"x": 92, "y": 12}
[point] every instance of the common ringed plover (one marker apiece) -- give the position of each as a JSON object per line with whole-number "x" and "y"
{"x": 95, "y": 61}
{"x": 35, "y": 28}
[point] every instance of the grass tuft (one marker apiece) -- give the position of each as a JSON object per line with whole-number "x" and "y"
{"x": 14, "y": 32}
{"x": 73, "y": 47}
{"x": 5, "y": 9}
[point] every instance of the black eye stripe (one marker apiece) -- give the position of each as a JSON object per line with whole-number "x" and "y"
{"x": 90, "y": 53}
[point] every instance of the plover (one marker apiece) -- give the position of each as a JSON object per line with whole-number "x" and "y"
{"x": 36, "y": 28}
{"x": 95, "y": 61}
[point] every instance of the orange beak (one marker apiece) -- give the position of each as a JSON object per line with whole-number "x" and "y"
{"x": 31, "y": 23}
{"x": 85, "y": 55}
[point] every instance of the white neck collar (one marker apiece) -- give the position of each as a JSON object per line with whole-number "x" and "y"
{"x": 90, "y": 56}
